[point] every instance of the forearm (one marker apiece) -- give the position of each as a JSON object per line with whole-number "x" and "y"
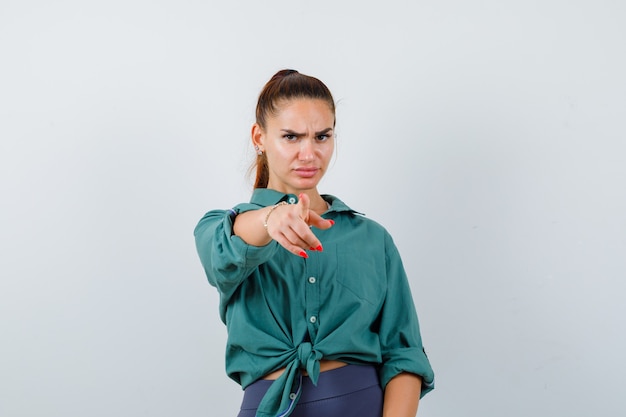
{"x": 287, "y": 224}
{"x": 402, "y": 396}
{"x": 249, "y": 227}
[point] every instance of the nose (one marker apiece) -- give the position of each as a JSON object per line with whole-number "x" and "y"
{"x": 307, "y": 153}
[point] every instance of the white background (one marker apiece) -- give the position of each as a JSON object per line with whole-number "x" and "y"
{"x": 487, "y": 136}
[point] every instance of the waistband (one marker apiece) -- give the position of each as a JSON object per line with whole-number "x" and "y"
{"x": 333, "y": 383}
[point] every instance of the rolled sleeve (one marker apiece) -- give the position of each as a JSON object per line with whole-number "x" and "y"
{"x": 411, "y": 360}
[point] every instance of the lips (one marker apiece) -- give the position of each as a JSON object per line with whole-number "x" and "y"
{"x": 306, "y": 172}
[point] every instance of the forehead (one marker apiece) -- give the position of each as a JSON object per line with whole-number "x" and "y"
{"x": 304, "y": 111}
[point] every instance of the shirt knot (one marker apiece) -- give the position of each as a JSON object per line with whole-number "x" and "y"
{"x": 284, "y": 393}
{"x": 309, "y": 360}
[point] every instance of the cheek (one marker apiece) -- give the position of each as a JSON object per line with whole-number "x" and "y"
{"x": 278, "y": 159}
{"x": 328, "y": 152}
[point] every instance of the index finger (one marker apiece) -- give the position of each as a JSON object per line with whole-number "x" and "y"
{"x": 304, "y": 204}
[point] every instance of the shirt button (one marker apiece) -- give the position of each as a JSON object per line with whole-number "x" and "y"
{"x": 313, "y": 319}
{"x": 292, "y": 396}
{"x": 291, "y": 200}
{"x": 312, "y": 280}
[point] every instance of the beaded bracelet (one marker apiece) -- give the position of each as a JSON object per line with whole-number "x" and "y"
{"x": 267, "y": 216}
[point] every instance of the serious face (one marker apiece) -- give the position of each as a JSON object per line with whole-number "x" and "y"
{"x": 298, "y": 142}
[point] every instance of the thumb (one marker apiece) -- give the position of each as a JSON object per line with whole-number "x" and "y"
{"x": 320, "y": 222}
{"x": 304, "y": 203}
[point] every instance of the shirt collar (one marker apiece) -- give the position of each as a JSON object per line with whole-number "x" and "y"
{"x": 267, "y": 197}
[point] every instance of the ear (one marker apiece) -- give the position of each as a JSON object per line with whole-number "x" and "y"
{"x": 258, "y": 136}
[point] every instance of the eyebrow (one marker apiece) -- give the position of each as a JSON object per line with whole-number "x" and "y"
{"x": 296, "y": 134}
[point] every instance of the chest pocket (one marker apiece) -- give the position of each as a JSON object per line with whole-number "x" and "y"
{"x": 362, "y": 274}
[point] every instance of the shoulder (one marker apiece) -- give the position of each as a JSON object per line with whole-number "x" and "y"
{"x": 370, "y": 224}
{"x": 356, "y": 222}
{"x": 337, "y": 205}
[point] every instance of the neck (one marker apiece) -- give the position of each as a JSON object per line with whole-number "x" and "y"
{"x": 318, "y": 204}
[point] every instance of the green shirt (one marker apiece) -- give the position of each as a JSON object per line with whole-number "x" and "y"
{"x": 350, "y": 303}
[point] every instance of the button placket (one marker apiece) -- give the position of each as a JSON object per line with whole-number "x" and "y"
{"x": 312, "y": 295}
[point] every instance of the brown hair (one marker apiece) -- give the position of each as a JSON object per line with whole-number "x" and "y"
{"x": 284, "y": 85}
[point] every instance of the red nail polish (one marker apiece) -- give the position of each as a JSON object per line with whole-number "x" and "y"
{"x": 332, "y": 222}
{"x": 319, "y": 248}
{"x": 303, "y": 254}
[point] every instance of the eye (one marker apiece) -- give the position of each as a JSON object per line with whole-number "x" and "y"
{"x": 290, "y": 137}
{"x": 322, "y": 138}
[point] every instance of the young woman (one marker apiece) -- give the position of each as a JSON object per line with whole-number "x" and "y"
{"x": 319, "y": 312}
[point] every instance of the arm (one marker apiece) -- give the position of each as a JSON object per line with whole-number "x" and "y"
{"x": 402, "y": 395}
{"x": 226, "y": 258}
{"x": 404, "y": 359}
{"x": 286, "y": 224}
{"x": 231, "y": 247}
{"x": 249, "y": 227}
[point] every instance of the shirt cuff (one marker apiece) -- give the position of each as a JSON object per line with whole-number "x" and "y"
{"x": 411, "y": 360}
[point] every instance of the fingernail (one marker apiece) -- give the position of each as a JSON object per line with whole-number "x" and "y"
{"x": 319, "y": 248}
{"x": 312, "y": 248}
{"x": 304, "y": 255}
{"x": 332, "y": 222}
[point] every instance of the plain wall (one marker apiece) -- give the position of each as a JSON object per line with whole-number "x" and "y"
{"x": 487, "y": 136}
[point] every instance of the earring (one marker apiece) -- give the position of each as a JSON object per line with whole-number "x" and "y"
{"x": 258, "y": 150}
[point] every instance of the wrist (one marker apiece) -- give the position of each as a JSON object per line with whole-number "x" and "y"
{"x": 269, "y": 213}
